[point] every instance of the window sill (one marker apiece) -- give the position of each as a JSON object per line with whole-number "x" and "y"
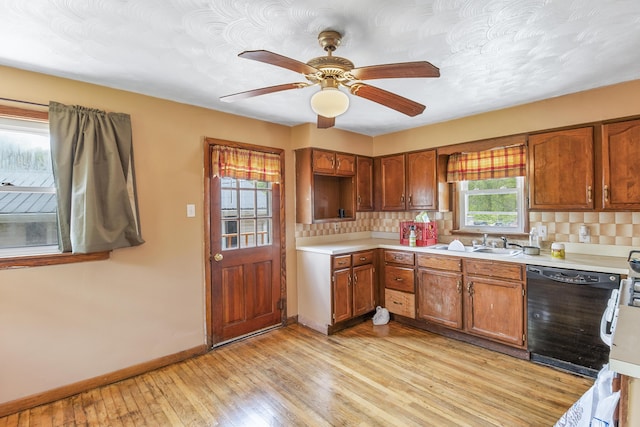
{"x": 50, "y": 259}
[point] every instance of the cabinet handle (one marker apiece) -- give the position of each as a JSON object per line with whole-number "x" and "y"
{"x": 398, "y": 303}
{"x": 410, "y": 203}
{"x": 589, "y": 198}
{"x": 349, "y": 280}
{"x": 402, "y": 198}
{"x": 398, "y": 279}
{"x": 363, "y": 258}
{"x": 470, "y": 288}
{"x": 338, "y": 164}
{"x": 459, "y": 286}
{"x": 342, "y": 262}
{"x": 359, "y": 200}
{"x": 355, "y": 279}
{"x": 606, "y": 193}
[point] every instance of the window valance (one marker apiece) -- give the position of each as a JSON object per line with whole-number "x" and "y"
{"x": 504, "y": 162}
{"x": 240, "y": 163}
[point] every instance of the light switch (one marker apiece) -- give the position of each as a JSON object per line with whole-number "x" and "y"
{"x": 191, "y": 211}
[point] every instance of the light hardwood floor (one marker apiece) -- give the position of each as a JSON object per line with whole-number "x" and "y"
{"x": 391, "y": 375}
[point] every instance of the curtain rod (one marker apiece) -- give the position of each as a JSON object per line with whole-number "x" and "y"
{"x": 24, "y": 102}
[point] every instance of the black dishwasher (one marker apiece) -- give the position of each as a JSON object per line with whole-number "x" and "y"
{"x": 564, "y": 308}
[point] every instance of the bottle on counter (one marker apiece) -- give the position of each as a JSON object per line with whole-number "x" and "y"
{"x": 412, "y": 236}
{"x": 557, "y": 250}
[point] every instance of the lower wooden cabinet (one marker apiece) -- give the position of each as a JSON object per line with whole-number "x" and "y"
{"x": 333, "y": 289}
{"x": 484, "y": 298}
{"x": 399, "y": 282}
{"x": 495, "y": 300}
{"x": 353, "y": 286}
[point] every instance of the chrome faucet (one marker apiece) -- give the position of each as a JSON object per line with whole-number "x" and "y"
{"x": 484, "y": 239}
{"x": 504, "y": 242}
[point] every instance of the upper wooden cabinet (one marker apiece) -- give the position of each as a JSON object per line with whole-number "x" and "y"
{"x": 364, "y": 184}
{"x": 325, "y": 186}
{"x": 407, "y": 181}
{"x": 620, "y": 177}
{"x": 561, "y": 170}
{"x": 332, "y": 163}
{"x": 422, "y": 187}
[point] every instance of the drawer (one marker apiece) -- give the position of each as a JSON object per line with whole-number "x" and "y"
{"x": 440, "y": 262}
{"x": 399, "y": 257}
{"x": 341, "y": 261}
{"x": 401, "y": 303}
{"x": 361, "y": 258}
{"x": 399, "y": 278}
{"x": 504, "y": 270}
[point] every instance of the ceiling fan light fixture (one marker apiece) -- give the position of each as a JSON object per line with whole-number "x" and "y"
{"x": 329, "y": 102}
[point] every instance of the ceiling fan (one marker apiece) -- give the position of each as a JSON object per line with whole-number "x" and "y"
{"x": 332, "y": 72}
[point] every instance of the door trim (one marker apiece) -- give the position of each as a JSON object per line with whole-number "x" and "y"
{"x": 208, "y": 143}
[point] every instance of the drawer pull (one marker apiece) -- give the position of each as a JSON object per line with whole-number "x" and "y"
{"x": 363, "y": 258}
{"x": 342, "y": 262}
{"x": 398, "y": 279}
{"x": 398, "y": 303}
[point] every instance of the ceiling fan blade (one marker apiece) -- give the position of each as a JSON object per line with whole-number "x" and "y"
{"x": 326, "y": 122}
{"x": 278, "y": 60}
{"x": 388, "y": 99}
{"x": 262, "y": 91}
{"x": 400, "y": 70}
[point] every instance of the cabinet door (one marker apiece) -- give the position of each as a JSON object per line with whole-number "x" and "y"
{"x": 495, "y": 309}
{"x": 364, "y": 184}
{"x": 561, "y": 170}
{"x": 363, "y": 289}
{"x": 345, "y": 164}
{"x": 620, "y": 153}
{"x": 392, "y": 180}
{"x": 324, "y": 161}
{"x": 440, "y": 297}
{"x": 342, "y": 303}
{"x": 422, "y": 184}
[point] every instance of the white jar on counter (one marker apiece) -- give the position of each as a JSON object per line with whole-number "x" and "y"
{"x": 557, "y": 250}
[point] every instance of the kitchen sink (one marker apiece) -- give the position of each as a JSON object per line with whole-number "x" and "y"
{"x": 482, "y": 250}
{"x": 499, "y": 251}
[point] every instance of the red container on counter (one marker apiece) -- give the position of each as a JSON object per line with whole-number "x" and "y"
{"x": 426, "y": 232}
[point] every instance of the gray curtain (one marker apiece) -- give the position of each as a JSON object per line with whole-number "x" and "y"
{"x": 92, "y": 156}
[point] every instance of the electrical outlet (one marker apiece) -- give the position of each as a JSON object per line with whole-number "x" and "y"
{"x": 542, "y": 232}
{"x": 336, "y": 226}
{"x": 191, "y": 211}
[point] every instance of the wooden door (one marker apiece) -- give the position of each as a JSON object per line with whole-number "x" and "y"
{"x": 561, "y": 170}
{"x": 364, "y": 184}
{"x": 495, "y": 309}
{"x": 422, "y": 184}
{"x": 440, "y": 297}
{"x": 392, "y": 183}
{"x": 363, "y": 289}
{"x": 620, "y": 153}
{"x": 245, "y": 281}
{"x": 342, "y": 297}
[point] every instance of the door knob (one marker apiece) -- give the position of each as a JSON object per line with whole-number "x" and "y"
{"x": 218, "y": 257}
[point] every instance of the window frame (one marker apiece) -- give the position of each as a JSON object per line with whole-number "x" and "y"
{"x": 45, "y": 258}
{"x": 521, "y": 203}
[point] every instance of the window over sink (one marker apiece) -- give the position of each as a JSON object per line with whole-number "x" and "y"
{"x": 492, "y": 205}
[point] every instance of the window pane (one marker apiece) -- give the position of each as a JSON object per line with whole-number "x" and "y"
{"x": 492, "y": 204}
{"x": 229, "y": 235}
{"x": 27, "y": 192}
{"x": 228, "y": 182}
{"x": 247, "y": 233}
{"x": 263, "y": 203}
{"x": 247, "y": 184}
{"x": 247, "y": 203}
{"x": 229, "y": 203}
{"x": 264, "y": 232}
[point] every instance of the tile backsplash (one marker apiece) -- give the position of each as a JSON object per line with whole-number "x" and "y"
{"x": 606, "y": 228}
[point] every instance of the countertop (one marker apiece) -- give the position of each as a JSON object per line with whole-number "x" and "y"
{"x": 576, "y": 261}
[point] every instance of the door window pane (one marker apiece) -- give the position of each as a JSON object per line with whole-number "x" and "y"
{"x": 247, "y": 217}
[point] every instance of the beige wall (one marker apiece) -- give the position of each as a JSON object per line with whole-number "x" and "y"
{"x": 62, "y": 324}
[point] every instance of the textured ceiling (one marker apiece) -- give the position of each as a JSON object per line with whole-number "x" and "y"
{"x": 491, "y": 54}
